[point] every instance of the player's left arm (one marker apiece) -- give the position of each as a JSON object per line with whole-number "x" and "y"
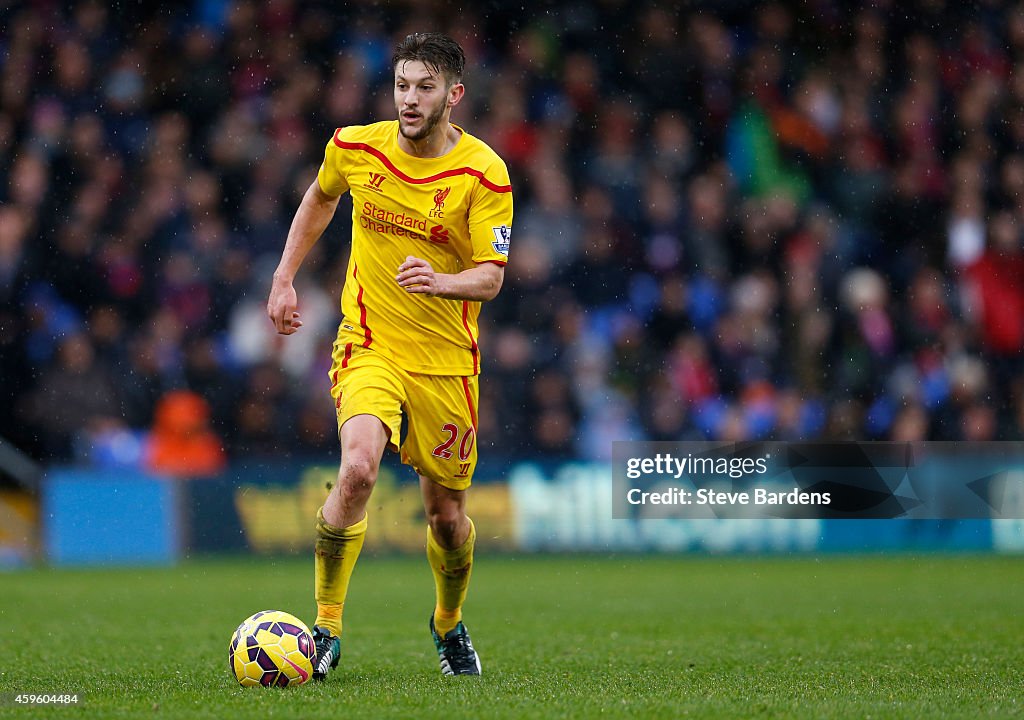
{"x": 479, "y": 283}
{"x": 490, "y": 228}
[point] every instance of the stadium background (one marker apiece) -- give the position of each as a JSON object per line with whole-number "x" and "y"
{"x": 734, "y": 220}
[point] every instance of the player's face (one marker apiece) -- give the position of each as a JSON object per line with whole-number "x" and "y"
{"x": 421, "y": 99}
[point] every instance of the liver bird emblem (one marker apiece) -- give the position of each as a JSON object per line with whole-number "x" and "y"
{"x": 439, "y": 198}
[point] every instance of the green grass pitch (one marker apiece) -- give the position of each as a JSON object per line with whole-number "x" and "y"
{"x": 559, "y": 637}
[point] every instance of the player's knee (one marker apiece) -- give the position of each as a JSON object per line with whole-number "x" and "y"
{"x": 445, "y": 524}
{"x": 358, "y": 475}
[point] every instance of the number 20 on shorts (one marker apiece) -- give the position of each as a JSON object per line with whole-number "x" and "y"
{"x": 453, "y": 432}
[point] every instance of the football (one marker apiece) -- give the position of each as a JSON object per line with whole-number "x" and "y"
{"x": 271, "y": 648}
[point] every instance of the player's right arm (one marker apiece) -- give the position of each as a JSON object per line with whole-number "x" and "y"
{"x": 311, "y": 219}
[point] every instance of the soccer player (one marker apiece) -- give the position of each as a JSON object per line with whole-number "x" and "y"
{"x": 431, "y": 218}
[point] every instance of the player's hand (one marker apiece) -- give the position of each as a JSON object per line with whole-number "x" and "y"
{"x": 281, "y": 308}
{"x": 417, "y": 276}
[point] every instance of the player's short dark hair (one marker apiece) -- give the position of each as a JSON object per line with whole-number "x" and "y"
{"x": 437, "y": 51}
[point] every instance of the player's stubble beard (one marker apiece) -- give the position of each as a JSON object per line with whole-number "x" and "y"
{"x": 429, "y": 123}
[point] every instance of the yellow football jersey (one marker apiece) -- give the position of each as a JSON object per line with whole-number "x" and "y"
{"x": 453, "y": 211}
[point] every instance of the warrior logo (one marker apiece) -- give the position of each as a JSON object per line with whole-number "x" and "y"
{"x": 376, "y": 180}
{"x": 439, "y": 197}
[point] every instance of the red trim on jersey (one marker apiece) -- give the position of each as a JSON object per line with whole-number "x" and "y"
{"x": 499, "y": 263}
{"x": 419, "y": 181}
{"x": 472, "y": 340}
{"x": 362, "y": 309}
{"x": 469, "y": 401}
{"x": 344, "y": 361}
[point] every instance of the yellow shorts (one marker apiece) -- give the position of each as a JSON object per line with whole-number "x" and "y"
{"x": 440, "y": 411}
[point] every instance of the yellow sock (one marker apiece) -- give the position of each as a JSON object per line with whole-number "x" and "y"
{"x": 336, "y": 552}
{"x": 452, "y": 569}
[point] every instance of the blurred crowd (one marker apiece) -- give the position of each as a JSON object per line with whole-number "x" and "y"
{"x": 734, "y": 220}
